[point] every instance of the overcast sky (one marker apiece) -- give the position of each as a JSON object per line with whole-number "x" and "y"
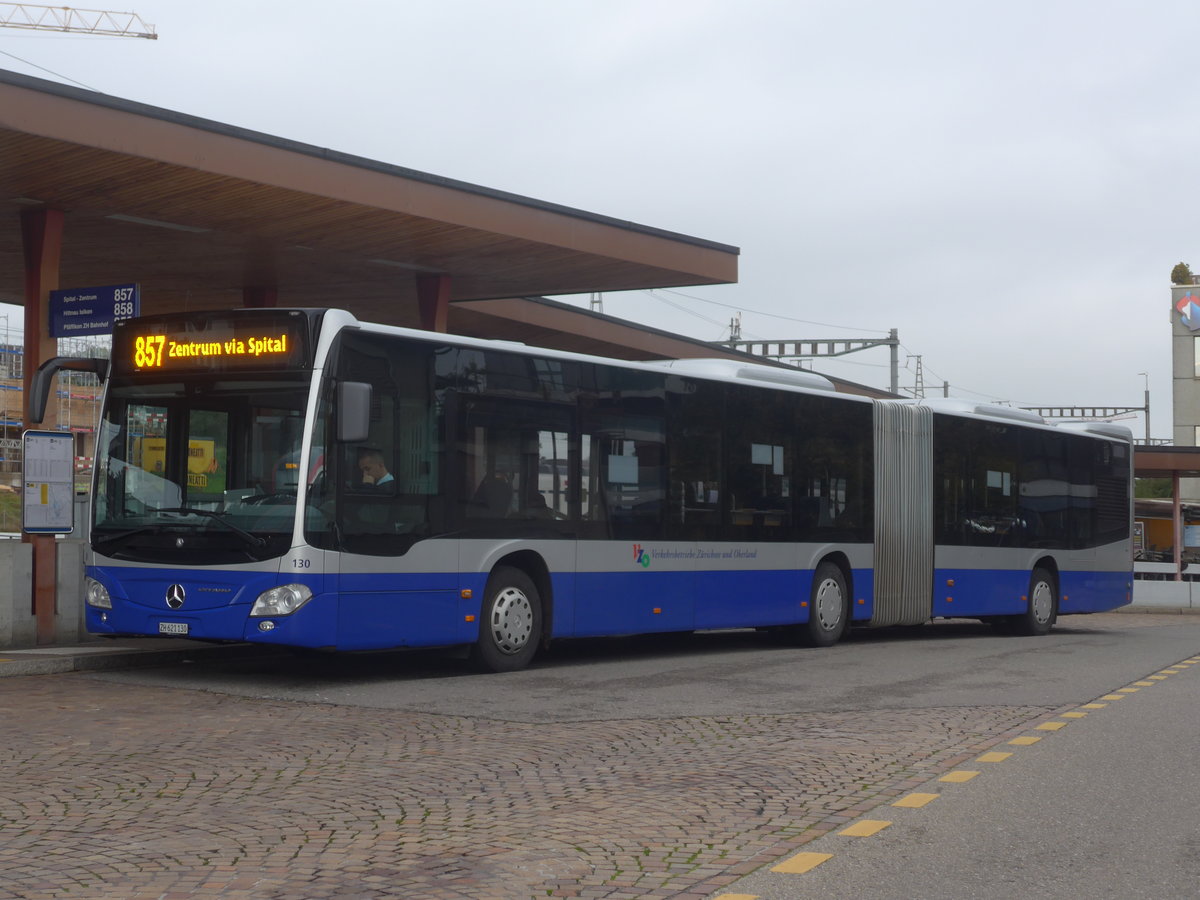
{"x": 1008, "y": 185}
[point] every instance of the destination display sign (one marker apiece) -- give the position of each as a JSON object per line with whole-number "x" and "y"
{"x": 211, "y": 344}
{"x": 92, "y": 310}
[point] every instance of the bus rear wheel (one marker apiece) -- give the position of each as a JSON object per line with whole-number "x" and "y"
{"x": 510, "y": 624}
{"x": 828, "y": 608}
{"x": 1042, "y": 609}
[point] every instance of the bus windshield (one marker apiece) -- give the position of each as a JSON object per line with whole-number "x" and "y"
{"x": 209, "y": 469}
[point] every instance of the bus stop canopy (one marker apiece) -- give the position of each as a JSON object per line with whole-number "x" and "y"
{"x": 207, "y": 215}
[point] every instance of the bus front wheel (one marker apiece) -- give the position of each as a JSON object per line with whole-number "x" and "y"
{"x": 828, "y": 608}
{"x": 510, "y": 623}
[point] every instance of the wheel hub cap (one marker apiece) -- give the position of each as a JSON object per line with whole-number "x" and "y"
{"x": 1042, "y": 602}
{"x": 512, "y": 620}
{"x": 829, "y": 604}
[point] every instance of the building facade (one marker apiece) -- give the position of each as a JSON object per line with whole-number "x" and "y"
{"x": 1185, "y": 364}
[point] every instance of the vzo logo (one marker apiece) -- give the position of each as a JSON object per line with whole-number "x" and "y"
{"x": 641, "y": 556}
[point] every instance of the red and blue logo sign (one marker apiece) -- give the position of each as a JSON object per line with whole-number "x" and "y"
{"x": 1189, "y": 309}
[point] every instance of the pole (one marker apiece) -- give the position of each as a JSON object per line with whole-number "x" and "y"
{"x": 894, "y": 338}
{"x": 1147, "y": 415}
{"x": 1177, "y": 524}
{"x": 1146, "y": 406}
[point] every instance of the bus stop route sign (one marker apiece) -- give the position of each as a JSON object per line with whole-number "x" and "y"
{"x": 83, "y": 311}
{"x": 49, "y": 480}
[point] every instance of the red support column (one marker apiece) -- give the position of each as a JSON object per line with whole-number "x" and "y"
{"x": 41, "y": 235}
{"x": 433, "y": 296}
{"x": 258, "y": 297}
{"x": 1177, "y": 524}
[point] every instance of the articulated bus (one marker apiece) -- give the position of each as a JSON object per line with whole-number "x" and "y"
{"x": 297, "y": 477}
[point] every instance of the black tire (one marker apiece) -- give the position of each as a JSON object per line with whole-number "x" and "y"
{"x": 1042, "y": 610}
{"x": 828, "y": 607}
{"x": 510, "y": 623}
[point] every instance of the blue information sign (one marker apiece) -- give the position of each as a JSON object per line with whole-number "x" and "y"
{"x": 92, "y": 310}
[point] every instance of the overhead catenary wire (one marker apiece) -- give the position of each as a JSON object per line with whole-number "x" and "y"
{"x": 758, "y": 312}
{"x": 50, "y": 71}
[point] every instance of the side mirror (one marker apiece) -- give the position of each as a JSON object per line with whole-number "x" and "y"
{"x": 353, "y": 411}
{"x": 39, "y": 390}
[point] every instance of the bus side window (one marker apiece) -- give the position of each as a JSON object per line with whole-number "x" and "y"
{"x": 696, "y": 484}
{"x": 591, "y": 491}
{"x": 633, "y": 486}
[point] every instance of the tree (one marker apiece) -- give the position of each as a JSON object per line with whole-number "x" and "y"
{"x": 1182, "y": 274}
{"x": 1152, "y": 488}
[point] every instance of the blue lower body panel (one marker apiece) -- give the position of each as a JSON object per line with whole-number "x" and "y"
{"x": 1005, "y": 592}
{"x": 634, "y": 602}
{"x": 384, "y": 610}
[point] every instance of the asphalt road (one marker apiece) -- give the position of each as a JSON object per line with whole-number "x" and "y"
{"x": 944, "y": 664}
{"x": 1107, "y": 806}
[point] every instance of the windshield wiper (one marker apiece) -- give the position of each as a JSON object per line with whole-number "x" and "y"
{"x": 253, "y": 539}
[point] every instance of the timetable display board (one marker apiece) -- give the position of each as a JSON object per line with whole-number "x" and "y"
{"x": 49, "y": 481}
{"x": 217, "y": 342}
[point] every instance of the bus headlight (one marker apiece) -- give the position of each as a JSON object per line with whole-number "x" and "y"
{"x": 281, "y": 601}
{"x": 96, "y": 594}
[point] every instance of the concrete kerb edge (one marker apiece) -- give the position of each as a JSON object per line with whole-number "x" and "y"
{"x": 1159, "y": 610}
{"x": 30, "y": 662}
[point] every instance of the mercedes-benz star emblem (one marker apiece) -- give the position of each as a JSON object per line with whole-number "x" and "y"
{"x": 175, "y": 596}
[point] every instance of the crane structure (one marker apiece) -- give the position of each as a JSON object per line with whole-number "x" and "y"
{"x": 36, "y": 17}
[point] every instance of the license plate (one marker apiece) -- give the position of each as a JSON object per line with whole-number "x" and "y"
{"x": 172, "y": 627}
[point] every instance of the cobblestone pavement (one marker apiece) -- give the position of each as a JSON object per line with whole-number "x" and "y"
{"x": 147, "y": 792}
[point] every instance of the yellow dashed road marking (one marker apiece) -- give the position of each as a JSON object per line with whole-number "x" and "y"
{"x": 958, "y": 776}
{"x": 801, "y": 863}
{"x": 915, "y": 801}
{"x": 865, "y": 828}
{"x": 807, "y": 861}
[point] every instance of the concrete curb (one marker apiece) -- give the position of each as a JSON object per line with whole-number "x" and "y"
{"x": 1160, "y": 610}
{"x": 94, "y": 655}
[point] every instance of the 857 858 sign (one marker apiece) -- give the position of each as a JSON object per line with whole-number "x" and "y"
{"x": 82, "y": 311}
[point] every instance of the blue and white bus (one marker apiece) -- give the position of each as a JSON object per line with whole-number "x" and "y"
{"x": 297, "y": 477}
